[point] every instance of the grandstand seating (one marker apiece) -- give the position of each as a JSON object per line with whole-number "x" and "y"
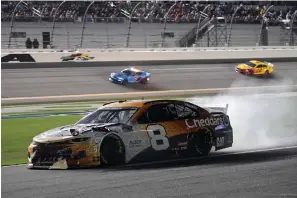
{"x": 107, "y": 22}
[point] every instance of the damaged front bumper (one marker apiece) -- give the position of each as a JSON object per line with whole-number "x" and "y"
{"x": 60, "y": 156}
{"x": 62, "y": 164}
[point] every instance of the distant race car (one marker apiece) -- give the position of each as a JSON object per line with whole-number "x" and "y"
{"x": 255, "y": 68}
{"x": 130, "y": 75}
{"x": 131, "y": 132}
{"x": 77, "y": 57}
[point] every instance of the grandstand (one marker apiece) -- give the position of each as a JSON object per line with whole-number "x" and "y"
{"x": 107, "y": 23}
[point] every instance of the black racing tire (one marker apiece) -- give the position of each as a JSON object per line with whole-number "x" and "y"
{"x": 201, "y": 142}
{"x": 266, "y": 74}
{"x": 144, "y": 81}
{"x": 125, "y": 82}
{"x": 112, "y": 151}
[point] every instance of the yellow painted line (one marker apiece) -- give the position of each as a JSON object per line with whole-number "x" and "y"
{"x": 145, "y": 92}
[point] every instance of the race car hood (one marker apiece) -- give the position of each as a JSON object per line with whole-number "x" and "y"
{"x": 68, "y": 132}
{"x": 243, "y": 66}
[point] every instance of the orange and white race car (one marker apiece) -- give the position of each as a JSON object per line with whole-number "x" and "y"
{"x": 131, "y": 132}
{"x": 255, "y": 68}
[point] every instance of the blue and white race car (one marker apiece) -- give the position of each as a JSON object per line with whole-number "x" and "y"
{"x": 130, "y": 75}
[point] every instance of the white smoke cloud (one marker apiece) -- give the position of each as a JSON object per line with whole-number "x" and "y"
{"x": 258, "y": 120}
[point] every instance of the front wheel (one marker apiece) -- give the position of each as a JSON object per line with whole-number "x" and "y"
{"x": 125, "y": 82}
{"x": 266, "y": 74}
{"x": 144, "y": 81}
{"x": 112, "y": 151}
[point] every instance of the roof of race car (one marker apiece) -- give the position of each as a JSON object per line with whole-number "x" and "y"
{"x": 133, "y": 69}
{"x": 125, "y": 104}
{"x": 257, "y": 62}
{"x": 136, "y": 103}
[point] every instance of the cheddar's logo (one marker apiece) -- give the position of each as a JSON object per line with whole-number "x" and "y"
{"x": 194, "y": 123}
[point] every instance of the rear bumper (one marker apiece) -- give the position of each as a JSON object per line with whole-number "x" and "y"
{"x": 223, "y": 138}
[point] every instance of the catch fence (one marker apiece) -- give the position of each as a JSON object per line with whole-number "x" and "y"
{"x": 134, "y": 32}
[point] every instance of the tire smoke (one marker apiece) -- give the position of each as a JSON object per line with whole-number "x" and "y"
{"x": 261, "y": 118}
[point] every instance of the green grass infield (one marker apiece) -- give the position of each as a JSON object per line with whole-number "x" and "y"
{"x": 17, "y": 134}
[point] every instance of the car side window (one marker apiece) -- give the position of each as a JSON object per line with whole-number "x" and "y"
{"x": 185, "y": 112}
{"x": 156, "y": 113}
{"x": 181, "y": 111}
{"x": 259, "y": 66}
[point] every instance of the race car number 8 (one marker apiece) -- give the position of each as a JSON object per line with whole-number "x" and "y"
{"x": 158, "y": 137}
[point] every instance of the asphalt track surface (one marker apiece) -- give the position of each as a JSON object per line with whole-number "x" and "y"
{"x": 75, "y": 81}
{"x": 265, "y": 172}
{"x": 269, "y": 173}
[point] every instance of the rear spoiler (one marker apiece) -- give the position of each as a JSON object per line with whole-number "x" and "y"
{"x": 268, "y": 63}
{"x": 218, "y": 109}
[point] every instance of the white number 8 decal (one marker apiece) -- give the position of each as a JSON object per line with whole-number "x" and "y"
{"x": 158, "y": 137}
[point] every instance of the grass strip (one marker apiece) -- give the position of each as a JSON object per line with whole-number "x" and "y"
{"x": 54, "y": 111}
{"x": 17, "y": 134}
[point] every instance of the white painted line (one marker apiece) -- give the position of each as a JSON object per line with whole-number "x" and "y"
{"x": 193, "y": 68}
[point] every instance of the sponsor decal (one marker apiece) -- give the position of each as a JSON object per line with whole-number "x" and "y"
{"x": 220, "y": 141}
{"x": 213, "y": 121}
{"x": 179, "y": 148}
{"x": 134, "y": 143}
{"x": 17, "y": 58}
{"x": 182, "y": 143}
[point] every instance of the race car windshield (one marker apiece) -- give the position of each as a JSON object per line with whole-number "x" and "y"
{"x": 111, "y": 115}
{"x": 127, "y": 72}
{"x": 250, "y": 64}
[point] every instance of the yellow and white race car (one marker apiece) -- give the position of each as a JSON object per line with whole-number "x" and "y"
{"x": 132, "y": 132}
{"x": 255, "y": 68}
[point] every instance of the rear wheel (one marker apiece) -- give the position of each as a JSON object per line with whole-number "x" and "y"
{"x": 112, "y": 151}
{"x": 201, "y": 142}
